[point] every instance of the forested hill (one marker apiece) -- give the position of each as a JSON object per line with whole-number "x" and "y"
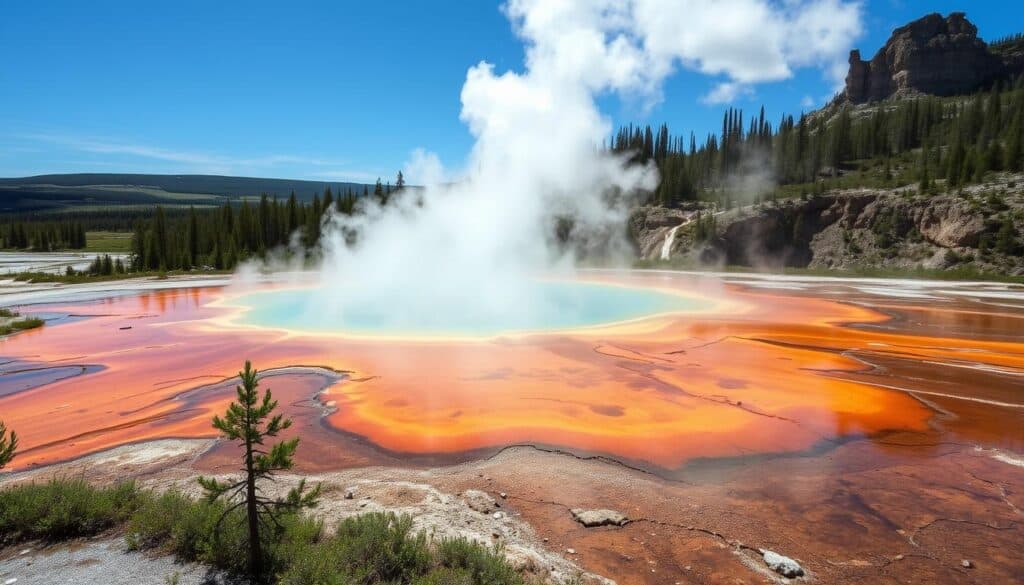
{"x": 54, "y": 192}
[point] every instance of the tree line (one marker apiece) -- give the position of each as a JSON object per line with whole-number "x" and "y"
{"x": 957, "y": 139}
{"x": 43, "y": 236}
{"x": 222, "y": 237}
{"x": 178, "y": 238}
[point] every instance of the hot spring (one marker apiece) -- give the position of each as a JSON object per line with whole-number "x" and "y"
{"x": 541, "y": 305}
{"x": 654, "y": 369}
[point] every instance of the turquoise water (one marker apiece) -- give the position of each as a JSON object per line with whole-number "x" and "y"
{"x": 543, "y": 305}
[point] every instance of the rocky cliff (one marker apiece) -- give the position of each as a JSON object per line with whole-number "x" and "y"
{"x": 853, "y": 229}
{"x": 932, "y": 55}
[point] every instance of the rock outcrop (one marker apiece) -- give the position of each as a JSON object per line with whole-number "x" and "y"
{"x": 650, "y": 226}
{"x": 863, "y": 228}
{"x": 932, "y": 55}
{"x": 782, "y": 565}
{"x": 595, "y": 518}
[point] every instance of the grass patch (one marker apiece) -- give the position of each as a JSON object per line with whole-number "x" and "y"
{"x": 17, "y": 324}
{"x": 61, "y": 509}
{"x": 108, "y": 242}
{"x": 370, "y": 549}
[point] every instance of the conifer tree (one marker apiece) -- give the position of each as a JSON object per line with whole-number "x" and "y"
{"x": 250, "y": 421}
{"x": 8, "y": 445}
{"x": 193, "y": 237}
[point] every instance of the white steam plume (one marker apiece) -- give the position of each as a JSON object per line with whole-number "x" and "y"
{"x": 471, "y": 246}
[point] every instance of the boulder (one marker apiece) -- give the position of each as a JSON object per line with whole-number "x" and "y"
{"x": 594, "y": 518}
{"x": 951, "y": 224}
{"x": 782, "y": 565}
{"x": 480, "y": 501}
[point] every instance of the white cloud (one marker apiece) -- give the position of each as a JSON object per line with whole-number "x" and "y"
{"x": 726, "y": 93}
{"x": 193, "y": 161}
{"x": 632, "y": 45}
{"x": 807, "y": 102}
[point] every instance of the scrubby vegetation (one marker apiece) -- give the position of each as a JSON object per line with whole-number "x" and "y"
{"x": 63, "y": 509}
{"x": 374, "y": 548}
{"x": 12, "y": 322}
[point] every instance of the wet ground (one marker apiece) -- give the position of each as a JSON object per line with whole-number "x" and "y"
{"x": 871, "y": 430}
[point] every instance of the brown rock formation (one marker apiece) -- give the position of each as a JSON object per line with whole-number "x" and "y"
{"x": 859, "y": 228}
{"x": 932, "y": 55}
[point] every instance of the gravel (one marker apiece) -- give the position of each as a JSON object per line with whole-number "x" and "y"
{"x": 104, "y": 561}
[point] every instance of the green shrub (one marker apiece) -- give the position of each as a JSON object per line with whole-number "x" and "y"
{"x": 383, "y": 546}
{"x": 367, "y": 549}
{"x": 156, "y": 520}
{"x": 446, "y": 576}
{"x": 484, "y": 565}
{"x": 28, "y": 323}
{"x": 372, "y": 549}
{"x": 185, "y": 527}
{"x": 61, "y": 509}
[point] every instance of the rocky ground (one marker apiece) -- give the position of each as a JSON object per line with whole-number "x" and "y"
{"x": 101, "y": 560}
{"x": 845, "y": 230}
{"x": 480, "y": 513}
{"x": 834, "y": 517}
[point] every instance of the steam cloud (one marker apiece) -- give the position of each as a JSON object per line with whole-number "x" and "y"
{"x": 472, "y": 246}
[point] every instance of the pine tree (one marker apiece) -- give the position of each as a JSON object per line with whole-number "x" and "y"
{"x": 160, "y": 244}
{"x": 249, "y": 421}
{"x": 1014, "y": 152}
{"x": 193, "y": 237}
{"x": 378, "y": 192}
{"x": 8, "y": 445}
{"x": 138, "y": 258}
{"x": 925, "y": 182}
{"x": 292, "y": 222}
{"x": 1006, "y": 239}
{"x": 328, "y": 200}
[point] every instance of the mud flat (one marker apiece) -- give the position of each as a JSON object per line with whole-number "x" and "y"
{"x": 867, "y": 430}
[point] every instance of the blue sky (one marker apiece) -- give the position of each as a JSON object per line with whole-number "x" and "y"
{"x": 330, "y": 90}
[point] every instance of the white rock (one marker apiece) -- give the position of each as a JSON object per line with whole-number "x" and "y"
{"x": 479, "y": 501}
{"x": 782, "y": 565}
{"x": 592, "y": 518}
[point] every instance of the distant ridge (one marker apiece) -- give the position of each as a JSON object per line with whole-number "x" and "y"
{"x": 59, "y": 191}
